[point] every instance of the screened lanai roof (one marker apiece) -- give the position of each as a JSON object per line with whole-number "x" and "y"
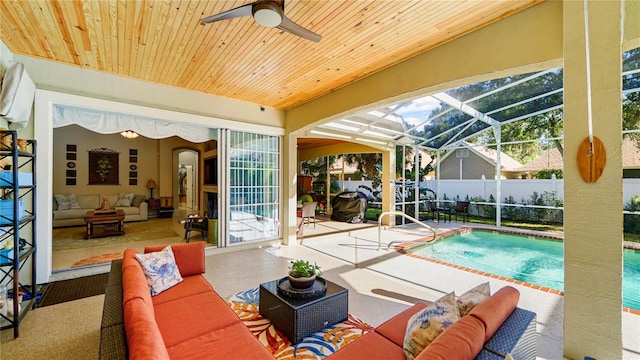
{"x": 441, "y": 120}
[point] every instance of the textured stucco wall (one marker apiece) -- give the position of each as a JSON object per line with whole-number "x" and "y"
{"x": 593, "y": 216}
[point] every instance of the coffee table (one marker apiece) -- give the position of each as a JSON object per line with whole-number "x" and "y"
{"x": 113, "y": 223}
{"x": 296, "y": 317}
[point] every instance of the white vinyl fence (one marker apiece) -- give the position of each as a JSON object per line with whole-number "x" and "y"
{"x": 519, "y": 189}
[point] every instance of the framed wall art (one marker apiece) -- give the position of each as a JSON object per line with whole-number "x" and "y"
{"x": 104, "y": 167}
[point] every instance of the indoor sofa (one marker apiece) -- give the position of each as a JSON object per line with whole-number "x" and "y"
{"x": 494, "y": 328}
{"x": 188, "y": 321}
{"x": 72, "y": 212}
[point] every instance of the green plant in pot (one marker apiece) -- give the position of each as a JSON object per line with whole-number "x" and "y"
{"x": 302, "y": 274}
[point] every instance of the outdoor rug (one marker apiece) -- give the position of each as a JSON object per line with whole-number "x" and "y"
{"x": 315, "y": 346}
{"x": 73, "y": 289}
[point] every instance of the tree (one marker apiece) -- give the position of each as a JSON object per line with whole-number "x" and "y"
{"x": 631, "y": 100}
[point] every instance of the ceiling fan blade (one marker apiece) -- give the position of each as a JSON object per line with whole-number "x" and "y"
{"x": 244, "y": 10}
{"x": 295, "y": 29}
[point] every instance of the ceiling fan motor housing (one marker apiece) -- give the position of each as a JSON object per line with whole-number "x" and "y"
{"x": 267, "y": 14}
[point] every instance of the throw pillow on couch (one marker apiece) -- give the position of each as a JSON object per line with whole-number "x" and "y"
{"x": 425, "y": 326}
{"x": 160, "y": 269}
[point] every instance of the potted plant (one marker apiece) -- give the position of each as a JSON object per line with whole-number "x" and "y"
{"x": 302, "y": 274}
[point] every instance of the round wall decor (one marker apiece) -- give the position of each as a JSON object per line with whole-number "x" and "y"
{"x": 71, "y": 164}
{"x": 133, "y": 167}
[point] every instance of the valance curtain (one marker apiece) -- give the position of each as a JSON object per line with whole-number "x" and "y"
{"x": 105, "y": 122}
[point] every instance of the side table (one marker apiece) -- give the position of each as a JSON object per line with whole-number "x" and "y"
{"x": 297, "y": 318}
{"x": 154, "y": 205}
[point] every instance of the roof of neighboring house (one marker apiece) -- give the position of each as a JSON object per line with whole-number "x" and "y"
{"x": 491, "y": 156}
{"x": 551, "y": 159}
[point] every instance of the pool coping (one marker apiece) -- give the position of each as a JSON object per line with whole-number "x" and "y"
{"x": 402, "y": 247}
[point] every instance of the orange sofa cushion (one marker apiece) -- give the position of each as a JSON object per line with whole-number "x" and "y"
{"x": 198, "y": 314}
{"x": 496, "y": 309}
{"x": 143, "y": 336}
{"x": 370, "y": 346}
{"x": 129, "y": 258}
{"x": 191, "y": 285}
{"x": 395, "y": 328}
{"x": 233, "y": 342}
{"x": 134, "y": 286}
{"x": 189, "y": 257}
{"x": 465, "y": 337}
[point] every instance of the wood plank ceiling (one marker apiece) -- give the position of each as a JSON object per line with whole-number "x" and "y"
{"x": 161, "y": 41}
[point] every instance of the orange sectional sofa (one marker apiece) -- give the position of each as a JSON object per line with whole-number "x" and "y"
{"x": 492, "y": 329}
{"x": 188, "y": 321}
{"x": 191, "y": 321}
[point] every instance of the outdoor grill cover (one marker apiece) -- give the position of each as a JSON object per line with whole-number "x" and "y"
{"x": 349, "y": 206}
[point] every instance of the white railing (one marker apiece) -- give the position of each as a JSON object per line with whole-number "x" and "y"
{"x": 398, "y": 213}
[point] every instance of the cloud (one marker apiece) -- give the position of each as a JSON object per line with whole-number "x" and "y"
{"x": 418, "y": 109}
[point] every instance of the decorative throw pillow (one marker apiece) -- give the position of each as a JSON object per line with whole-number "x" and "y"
{"x": 424, "y": 326}
{"x": 74, "y": 201}
{"x": 473, "y": 297}
{"x": 66, "y": 202}
{"x": 137, "y": 200}
{"x": 124, "y": 200}
{"x": 160, "y": 269}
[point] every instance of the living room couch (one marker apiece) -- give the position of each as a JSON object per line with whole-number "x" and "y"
{"x": 74, "y": 216}
{"x": 191, "y": 321}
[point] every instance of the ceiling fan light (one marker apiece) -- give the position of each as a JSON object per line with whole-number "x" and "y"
{"x": 268, "y": 15}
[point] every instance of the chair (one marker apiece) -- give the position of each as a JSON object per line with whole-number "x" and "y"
{"x": 436, "y": 211}
{"x": 309, "y": 211}
{"x": 195, "y": 222}
{"x": 462, "y": 207}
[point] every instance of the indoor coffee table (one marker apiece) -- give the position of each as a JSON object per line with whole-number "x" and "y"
{"x": 300, "y": 317}
{"x": 112, "y": 223}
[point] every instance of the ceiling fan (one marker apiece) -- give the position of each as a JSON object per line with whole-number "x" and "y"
{"x": 266, "y": 13}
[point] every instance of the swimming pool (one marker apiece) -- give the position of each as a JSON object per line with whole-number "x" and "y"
{"x": 529, "y": 259}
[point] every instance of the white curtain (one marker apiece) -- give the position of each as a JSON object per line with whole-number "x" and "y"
{"x": 105, "y": 122}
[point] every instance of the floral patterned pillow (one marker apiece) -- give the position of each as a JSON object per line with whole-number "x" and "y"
{"x": 160, "y": 269}
{"x": 426, "y": 325}
{"x": 473, "y": 297}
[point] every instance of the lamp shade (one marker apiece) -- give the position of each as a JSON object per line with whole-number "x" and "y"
{"x": 151, "y": 184}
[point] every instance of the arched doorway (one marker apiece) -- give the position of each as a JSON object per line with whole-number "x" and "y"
{"x": 186, "y": 179}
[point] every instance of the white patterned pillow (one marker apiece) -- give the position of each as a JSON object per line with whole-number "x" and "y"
{"x": 124, "y": 200}
{"x": 424, "y": 326}
{"x": 160, "y": 269}
{"x": 66, "y": 202}
{"x": 473, "y": 297}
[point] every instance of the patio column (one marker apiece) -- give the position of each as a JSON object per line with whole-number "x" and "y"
{"x": 593, "y": 211}
{"x": 388, "y": 188}
{"x": 289, "y": 188}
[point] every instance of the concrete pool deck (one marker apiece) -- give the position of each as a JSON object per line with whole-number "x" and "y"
{"x": 360, "y": 248}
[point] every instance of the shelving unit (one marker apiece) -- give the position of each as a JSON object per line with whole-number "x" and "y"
{"x": 18, "y": 224}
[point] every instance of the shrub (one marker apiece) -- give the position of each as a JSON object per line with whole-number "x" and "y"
{"x": 632, "y": 221}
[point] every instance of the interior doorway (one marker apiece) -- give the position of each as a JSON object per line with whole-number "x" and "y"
{"x": 186, "y": 176}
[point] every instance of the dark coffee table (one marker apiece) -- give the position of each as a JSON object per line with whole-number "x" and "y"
{"x": 296, "y": 317}
{"x": 112, "y": 222}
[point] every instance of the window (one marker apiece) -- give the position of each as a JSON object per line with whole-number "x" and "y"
{"x": 254, "y": 187}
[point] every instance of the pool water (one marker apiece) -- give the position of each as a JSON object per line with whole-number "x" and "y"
{"x": 533, "y": 260}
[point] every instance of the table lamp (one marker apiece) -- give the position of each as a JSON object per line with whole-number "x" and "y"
{"x": 151, "y": 184}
